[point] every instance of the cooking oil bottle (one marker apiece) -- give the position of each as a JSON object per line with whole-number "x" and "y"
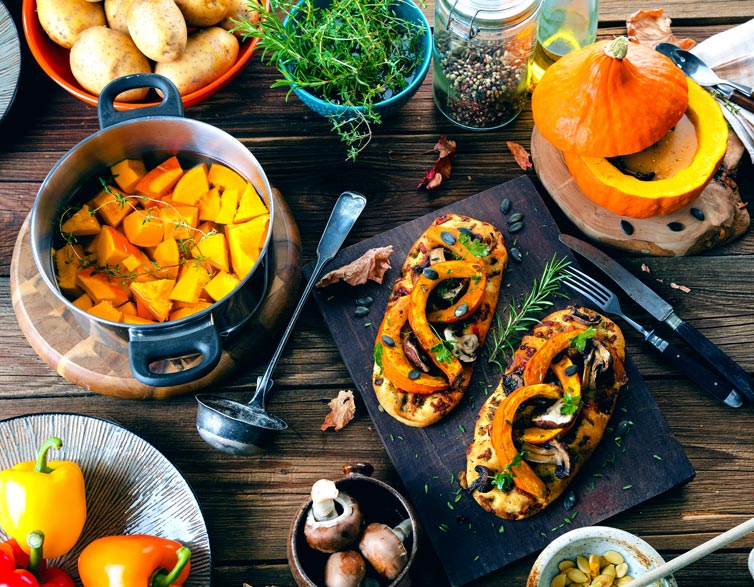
{"x": 563, "y": 26}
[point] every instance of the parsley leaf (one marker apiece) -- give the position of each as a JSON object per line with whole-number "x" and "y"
{"x": 579, "y": 341}
{"x": 475, "y": 247}
{"x": 571, "y": 403}
{"x": 442, "y": 351}
{"x": 504, "y": 479}
{"x": 378, "y": 350}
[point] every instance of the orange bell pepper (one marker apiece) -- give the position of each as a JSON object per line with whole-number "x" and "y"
{"x": 138, "y": 560}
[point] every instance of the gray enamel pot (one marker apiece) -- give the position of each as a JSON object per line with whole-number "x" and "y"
{"x": 152, "y": 134}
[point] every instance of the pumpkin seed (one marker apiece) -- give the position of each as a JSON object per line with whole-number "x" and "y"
{"x": 466, "y": 231}
{"x": 447, "y": 237}
{"x": 676, "y": 226}
{"x": 576, "y": 575}
{"x": 626, "y": 227}
{"x": 414, "y": 374}
{"x": 697, "y": 213}
{"x": 566, "y": 564}
{"x": 559, "y": 581}
{"x": 365, "y": 301}
{"x": 387, "y": 340}
{"x": 613, "y": 557}
{"x": 516, "y": 254}
{"x": 570, "y": 370}
{"x": 621, "y": 570}
{"x": 595, "y": 564}
{"x": 515, "y": 227}
{"x": 430, "y": 273}
{"x": 601, "y": 581}
{"x": 505, "y": 205}
{"x": 569, "y": 500}
{"x": 516, "y": 217}
{"x": 583, "y": 564}
{"x": 461, "y": 310}
{"x": 609, "y": 570}
{"x": 361, "y": 311}
{"x": 625, "y": 580}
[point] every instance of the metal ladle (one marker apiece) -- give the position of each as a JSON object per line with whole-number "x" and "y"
{"x": 245, "y": 429}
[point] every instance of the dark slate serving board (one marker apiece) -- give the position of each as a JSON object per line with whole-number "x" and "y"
{"x": 469, "y": 541}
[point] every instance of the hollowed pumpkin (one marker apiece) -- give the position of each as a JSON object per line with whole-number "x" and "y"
{"x": 608, "y": 99}
{"x": 623, "y": 194}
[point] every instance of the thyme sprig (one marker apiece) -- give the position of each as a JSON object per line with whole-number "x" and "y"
{"x": 352, "y": 53}
{"x": 522, "y": 314}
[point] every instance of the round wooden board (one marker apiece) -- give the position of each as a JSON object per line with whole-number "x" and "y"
{"x": 62, "y": 343}
{"x": 725, "y": 217}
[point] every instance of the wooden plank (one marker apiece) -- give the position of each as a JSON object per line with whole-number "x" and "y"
{"x": 467, "y": 539}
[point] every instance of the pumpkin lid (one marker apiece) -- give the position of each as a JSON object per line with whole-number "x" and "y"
{"x": 608, "y": 99}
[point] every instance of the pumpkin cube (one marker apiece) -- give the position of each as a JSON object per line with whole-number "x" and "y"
{"x": 137, "y": 267}
{"x": 113, "y": 247}
{"x": 136, "y": 319}
{"x": 192, "y": 186}
{"x": 167, "y": 257}
{"x": 106, "y": 310}
{"x": 212, "y": 249}
{"x": 67, "y": 262}
{"x": 83, "y": 222}
{"x": 245, "y": 242}
{"x": 188, "y": 309}
{"x": 154, "y": 296}
{"x": 225, "y": 178}
{"x": 178, "y": 221}
{"x": 83, "y": 302}
{"x": 221, "y": 285}
{"x": 111, "y": 206}
{"x": 101, "y": 287}
{"x": 190, "y": 284}
{"x": 228, "y": 206}
{"x": 209, "y": 205}
{"x": 160, "y": 180}
{"x": 128, "y": 309}
{"x": 249, "y": 206}
{"x": 144, "y": 228}
{"x": 127, "y": 173}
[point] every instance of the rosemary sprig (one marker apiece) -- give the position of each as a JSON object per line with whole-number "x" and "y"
{"x": 352, "y": 53}
{"x": 522, "y": 315}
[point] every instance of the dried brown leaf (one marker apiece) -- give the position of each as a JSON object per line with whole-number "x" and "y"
{"x": 342, "y": 410}
{"x": 649, "y": 27}
{"x": 683, "y": 288}
{"x": 520, "y": 154}
{"x": 645, "y": 268}
{"x": 441, "y": 169}
{"x": 371, "y": 265}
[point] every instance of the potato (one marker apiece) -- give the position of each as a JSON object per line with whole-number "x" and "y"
{"x": 240, "y": 10}
{"x": 64, "y": 20}
{"x": 158, "y": 29}
{"x": 203, "y": 13}
{"x": 101, "y": 54}
{"x": 209, "y": 53}
{"x": 116, "y": 12}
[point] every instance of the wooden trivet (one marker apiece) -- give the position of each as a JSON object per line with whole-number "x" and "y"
{"x": 723, "y": 215}
{"x": 64, "y": 345}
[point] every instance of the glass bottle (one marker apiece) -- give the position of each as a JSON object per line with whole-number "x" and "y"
{"x": 563, "y": 26}
{"x": 482, "y": 52}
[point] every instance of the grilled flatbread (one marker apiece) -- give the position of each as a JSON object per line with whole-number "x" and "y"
{"x": 457, "y": 266}
{"x": 551, "y": 444}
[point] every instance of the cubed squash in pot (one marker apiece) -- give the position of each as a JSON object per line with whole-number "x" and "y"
{"x": 83, "y": 222}
{"x": 228, "y": 206}
{"x": 167, "y": 257}
{"x": 128, "y": 309}
{"x": 127, "y": 173}
{"x": 161, "y": 179}
{"x": 67, "y": 262}
{"x": 137, "y": 320}
{"x": 179, "y": 221}
{"x": 113, "y": 247}
{"x": 190, "y": 284}
{"x": 137, "y": 267}
{"x": 155, "y": 297}
{"x": 188, "y": 309}
{"x": 192, "y": 186}
{"x": 107, "y": 311}
{"x": 111, "y": 206}
{"x": 101, "y": 287}
{"x": 245, "y": 243}
{"x": 83, "y": 302}
{"x": 250, "y": 205}
{"x": 213, "y": 249}
{"x": 144, "y": 228}
{"x": 221, "y": 285}
{"x": 225, "y": 178}
{"x": 209, "y": 205}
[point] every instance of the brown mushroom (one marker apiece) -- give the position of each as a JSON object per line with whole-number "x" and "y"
{"x": 553, "y": 417}
{"x": 383, "y": 547}
{"x": 597, "y": 362}
{"x": 553, "y": 452}
{"x": 334, "y": 520}
{"x": 345, "y": 569}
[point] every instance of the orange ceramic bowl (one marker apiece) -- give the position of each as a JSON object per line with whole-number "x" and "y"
{"x": 53, "y": 59}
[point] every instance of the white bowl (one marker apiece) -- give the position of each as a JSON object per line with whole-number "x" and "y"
{"x": 639, "y": 555}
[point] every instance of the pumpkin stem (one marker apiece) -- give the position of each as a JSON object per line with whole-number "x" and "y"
{"x": 617, "y": 48}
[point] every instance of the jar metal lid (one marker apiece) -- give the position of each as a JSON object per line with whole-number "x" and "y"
{"x": 490, "y": 13}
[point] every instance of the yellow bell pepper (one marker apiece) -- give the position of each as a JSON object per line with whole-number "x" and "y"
{"x": 44, "y": 496}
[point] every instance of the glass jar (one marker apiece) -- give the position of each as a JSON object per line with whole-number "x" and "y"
{"x": 482, "y": 51}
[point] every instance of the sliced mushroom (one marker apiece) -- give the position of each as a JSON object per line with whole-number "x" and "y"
{"x": 450, "y": 289}
{"x": 597, "y": 362}
{"x": 465, "y": 347}
{"x": 384, "y": 547}
{"x": 414, "y": 353}
{"x": 483, "y": 483}
{"x": 345, "y": 569}
{"x": 550, "y": 453}
{"x": 553, "y": 417}
{"x": 589, "y": 319}
{"x": 437, "y": 255}
{"x": 334, "y": 520}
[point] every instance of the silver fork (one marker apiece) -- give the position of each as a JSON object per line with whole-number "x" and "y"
{"x": 607, "y": 301}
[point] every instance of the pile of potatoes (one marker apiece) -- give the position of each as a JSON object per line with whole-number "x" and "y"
{"x": 187, "y": 41}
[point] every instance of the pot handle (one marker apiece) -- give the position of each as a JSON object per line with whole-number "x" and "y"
{"x": 171, "y": 104}
{"x": 172, "y": 342}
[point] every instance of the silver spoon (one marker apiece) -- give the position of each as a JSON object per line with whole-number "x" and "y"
{"x": 245, "y": 429}
{"x": 697, "y": 69}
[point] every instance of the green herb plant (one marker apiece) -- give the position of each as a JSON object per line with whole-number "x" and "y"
{"x": 352, "y": 53}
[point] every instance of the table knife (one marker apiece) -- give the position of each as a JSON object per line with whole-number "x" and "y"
{"x": 663, "y": 311}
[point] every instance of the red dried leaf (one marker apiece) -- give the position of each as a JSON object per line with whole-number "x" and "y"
{"x": 441, "y": 169}
{"x": 520, "y": 154}
{"x": 371, "y": 265}
{"x": 649, "y": 27}
{"x": 683, "y": 288}
{"x": 342, "y": 410}
{"x": 645, "y": 268}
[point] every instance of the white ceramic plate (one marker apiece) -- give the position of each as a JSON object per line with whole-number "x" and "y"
{"x": 131, "y": 487}
{"x": 10, "y": 60}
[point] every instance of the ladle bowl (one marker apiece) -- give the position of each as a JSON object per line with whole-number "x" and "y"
{"x": 246, "y": 429}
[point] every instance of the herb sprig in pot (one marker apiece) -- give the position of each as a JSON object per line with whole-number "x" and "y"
{"x": 353, "y": 61}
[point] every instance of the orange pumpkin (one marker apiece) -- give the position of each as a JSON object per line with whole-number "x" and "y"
{"x": 608, "y": 99}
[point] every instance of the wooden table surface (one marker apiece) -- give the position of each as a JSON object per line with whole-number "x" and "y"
{"x": 249, "y": 502}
